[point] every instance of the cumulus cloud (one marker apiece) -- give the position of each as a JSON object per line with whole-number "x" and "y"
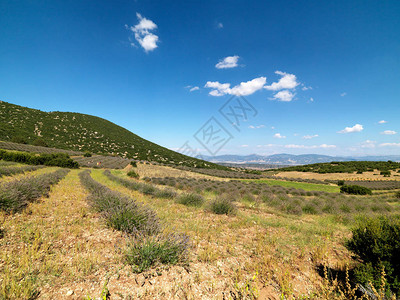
{"x": 285, "y": 96}
{"x": 388, "y": 132}
{"x": 355, "y": 128}
{"x": 143, "y": 33}
{"x": 243, "y": 89}
{"x": 368, "y": 144}
{"x": 279, "y": 136}
{"x": 323, "y": 146}
{"x": 309, "y": 137}
{"x": 228, "y": 62}
{"x": 390, "y": 145}
{"x": 256, "y": 127}
{"x": 287, "y": 81}
{"x": 382, "y": 122}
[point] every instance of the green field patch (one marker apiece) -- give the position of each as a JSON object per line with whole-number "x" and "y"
{"x": 298, "y": 185}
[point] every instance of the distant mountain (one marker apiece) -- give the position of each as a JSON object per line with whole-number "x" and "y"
{"x": 80, "y": 132}
{"x": 291, "y": 159}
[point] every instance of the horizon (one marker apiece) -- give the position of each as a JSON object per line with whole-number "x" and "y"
{"x": 319, "y": 78}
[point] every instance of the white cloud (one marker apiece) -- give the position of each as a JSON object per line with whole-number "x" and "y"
{"x": 390, "y": 145}
{"x": 195, "y": 88}
{"x": 309, "y": 137}
{"x": 368, "y": 144}
{"x": 323, "y": 146}
{"x": 279, "y": 136}
{"x": 143, "y": 34}
{"x": 285, "y": 96}
{"x": 311, "y": 99}
{"x": 287, "y": 81}
{"x": 343, "y": 94}
{"x": 243, "y": 89}
{"x": 256, "y": 127}
{"x": 389, "y": 132}
{"x": 306, "y": 88}
{"x": 355, "y": 128}
{"x": 220, "y": 25}
{"x": 244, "y": 146}
{"x": 382, "y": 122}
{"x": 228, "y": 62}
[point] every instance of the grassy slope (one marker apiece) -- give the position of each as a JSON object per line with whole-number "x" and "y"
{"x": 298, "y": 185}
{"x": 80, "y": 132}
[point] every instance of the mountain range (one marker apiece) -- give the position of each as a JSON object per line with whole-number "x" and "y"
{"x": 291, "y": 159}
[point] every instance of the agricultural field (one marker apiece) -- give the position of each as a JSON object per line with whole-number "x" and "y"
{"x": 93, "y": 233}
{"x": 100, "y": 161}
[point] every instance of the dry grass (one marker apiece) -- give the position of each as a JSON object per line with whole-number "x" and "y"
{"x": 164, "y": 171}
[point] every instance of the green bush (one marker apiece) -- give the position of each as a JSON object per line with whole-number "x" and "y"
{"x": 385, "y": 173}
{"x": 397, "y": 195}
{"x": 133, "y": 164}
{"x": 39, "y": 142}
{"x": 376, "y": 241}
{"x": 146, "y": 252}
{"x": 56, "y": 159}
{"x": 191, "y": 199}
{"x": 222, "y": 206}
{"x": 132, "y": 174}
{"x": 18, "y": 139}
{"x": 340, "y": 182}
{"x": 355, "y": 190}
{"x": 87, "y": 154}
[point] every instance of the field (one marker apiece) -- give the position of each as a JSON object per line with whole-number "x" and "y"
{"x": 272, "y": 242}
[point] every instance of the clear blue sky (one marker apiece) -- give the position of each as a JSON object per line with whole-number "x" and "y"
{"x": 320, "y": 74}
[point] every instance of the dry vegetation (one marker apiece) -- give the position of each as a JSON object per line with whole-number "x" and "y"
{"x": 60, "y": 247}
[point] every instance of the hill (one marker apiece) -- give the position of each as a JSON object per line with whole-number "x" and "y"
{"x": 81, "y": 132}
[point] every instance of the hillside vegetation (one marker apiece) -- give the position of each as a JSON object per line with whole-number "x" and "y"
{"x": 346, "y": 167}
{"x": 80, "y": 132}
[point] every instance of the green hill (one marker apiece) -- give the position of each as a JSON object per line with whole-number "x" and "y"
{"x": 80, "y": 132}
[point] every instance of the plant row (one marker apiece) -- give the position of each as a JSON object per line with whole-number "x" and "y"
{"x": 16, "y": 194}
{"x": 8, "y": 171}
{"x": 36, "y": 149}
{"x": 55, "y": 159}
{"x": 148, "y": 245}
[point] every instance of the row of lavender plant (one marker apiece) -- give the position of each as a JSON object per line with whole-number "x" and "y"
{"x": 145, "y": 188}
{"x": 148, "y": 244}
{"x": 12, "y": 170}
{"x": 16, "y": 194}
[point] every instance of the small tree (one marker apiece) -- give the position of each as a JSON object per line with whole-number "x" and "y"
{"x": 39, "y": 142}
{"x": 87, "y": 154}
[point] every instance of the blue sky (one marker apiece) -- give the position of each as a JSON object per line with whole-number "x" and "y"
{"x": 322, "y": 76}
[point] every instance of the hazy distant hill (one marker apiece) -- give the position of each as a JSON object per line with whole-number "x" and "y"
{"x": 80, "y": 132}
{"x": 290, "y": 159}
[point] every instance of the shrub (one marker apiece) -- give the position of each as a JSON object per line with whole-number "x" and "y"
{"x": 146, "y": 252}
{"x": 87, "y": 154}
{"x": 56, "y": 159}
{"x": 385, "y": 173}
{"x": 397, "y": 195}
{"x": 355, "y": 190}
{"x": 132, "y": 174}
{"x": 168, "y": 194}
{"x": 39, "y": 142}
{"x": 133, "y": 164}
{"x": 340, "y": 182}
{"x": 376, "y": 241}
{"x": 191, "y": 199}
{"x": 222, "y": 206}
{"x": 18, "y": 139}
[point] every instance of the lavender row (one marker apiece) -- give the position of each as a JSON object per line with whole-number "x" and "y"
{"x": 11, "y": 170}
{"x": 15, "y": 195}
